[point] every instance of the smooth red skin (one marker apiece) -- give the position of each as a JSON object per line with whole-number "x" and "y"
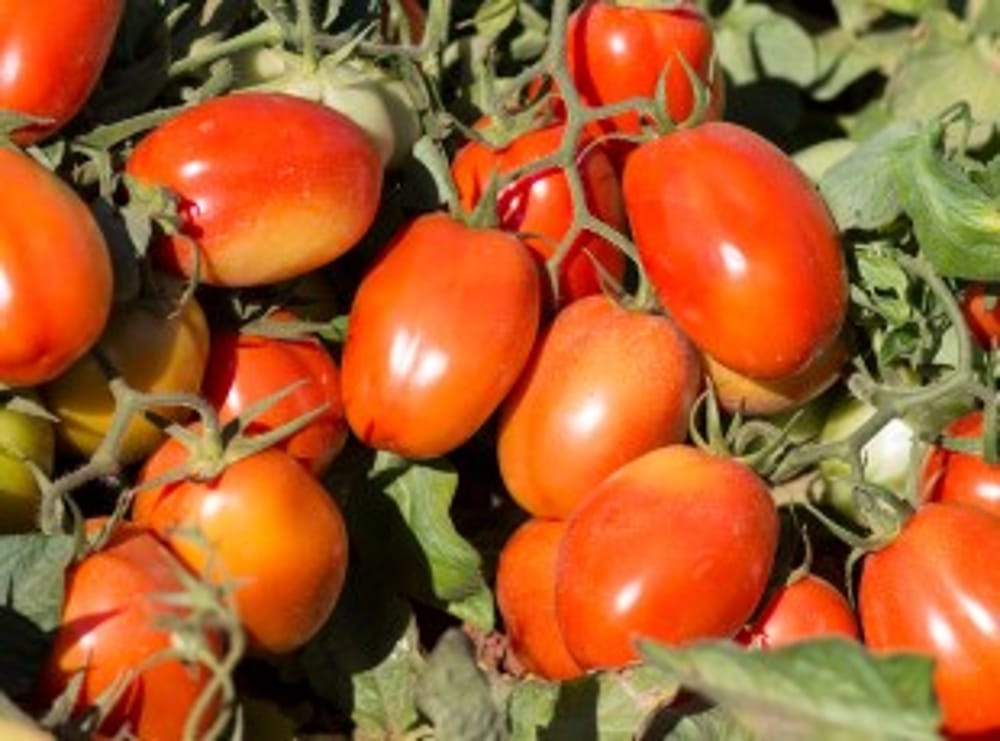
{"x": 604, "y": 386}
{"x": 47, "y": 320}
{"x": 244, "y": 369}
{"x": 675, "y": 546}
{"x": 963, "y": 478}
{"x": 272, "y": 527}
{"x": 543, "y": 205}
{"x": 526, "y": 595}
{"x": 983, "y": 322}
{"x": 271, "y": 186}
{"x": 933, "y": 590}
{"x": 440, "y": 330}
{"x": 739, "y": 247}
{"x": 109, "y": 626}
{"x": 807, "y": 608}
{"x": 52, "y": 53}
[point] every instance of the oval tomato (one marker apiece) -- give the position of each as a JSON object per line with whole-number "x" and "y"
{"x": 676, "y": 545}
{"x": 47, "y": 323}
{"x": 244, "y": 369}
{"x": 438, "y": 333}
{"x": 526, "y": 596}
{"x": 271, "y": 186}
{"x": 157, "y": 348}
{"x": 953, "y": 476}
{"x": 541, "y": 206}
{"x": 110, "y": 626}
{"x": 931, "y": 591}
{"x": 981, "y": 308}
{"x": 809, "y": 607}
{"x": 23, "y": 437}
{"x": 51, "y": 56}
{"x": 605, "y": 385}
{"x": 739, "y": 247}
{"x": 270, "y": 526}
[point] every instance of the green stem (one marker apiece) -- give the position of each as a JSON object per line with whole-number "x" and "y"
{"x": 267, "y": 33}
{"x": 307, "y": 34}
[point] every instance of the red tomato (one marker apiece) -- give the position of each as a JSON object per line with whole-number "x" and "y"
{"x": 739, "y": 246}
{"x": 981, "y": 308}
{"x": 271, "y": 527}
{"x": 526, "y": 595}
{"x": 48, "y": 321}
{"x": 951, "y": 476}
{"x": 676, "y": 545}
{"x": 542, "y": 204}
{"x": 605, "y": 385}
{"x": 271, "y": 186}
{"x": 244, "y": 368}
{"x": 439, "y": 331}
{"x": 51, "y": 56}
{"x": 807, "y": 608}
{"x": 110, "y": 627}
{"x": 933, "y": 590}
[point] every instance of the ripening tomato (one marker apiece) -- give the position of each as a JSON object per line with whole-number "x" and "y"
{"x": 981, "y": 308}
{"x": 51, "y": 56}
{"x": 111, "y": 626}
{"x": 933, "y": 590}
{"x": 157, "y": 347}
{"x": 675, "y": 546}
{"x": 526, "y": 596}
{"x": 271, "y": 186}
{"x": 541, "y": 206}
{"x": 604, "y": 386}
{"x": 267, "y": 524}
{"x": 49, "y": 319}
{"x": 739, "y": 246}
{"x": 23, "y": 437}
{"x": 439, "y": 332}
{"x": 809, "y": 607}
{"x": 953, "y": 476}
{"x": 244, "y": 369}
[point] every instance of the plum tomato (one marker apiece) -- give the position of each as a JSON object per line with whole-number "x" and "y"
{"x": 809, "y": 607}
{"x": 953, "y": 476}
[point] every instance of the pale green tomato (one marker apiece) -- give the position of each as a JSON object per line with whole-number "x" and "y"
{"x": 22, "y": 437}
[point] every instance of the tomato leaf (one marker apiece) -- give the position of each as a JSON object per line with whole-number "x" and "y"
{"x": 824, "y": 689}
{"x": 756, "y": 42}
{"x": 699, "y": 723}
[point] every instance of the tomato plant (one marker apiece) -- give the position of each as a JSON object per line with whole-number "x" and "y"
{"x": 808, "y": 607}
{"x": 440, "y": 329}
{"x": 23, "y": 437}
{"x": 53, "y": 54}
{"x": 953, "y": 476}
{"x": 307, "y": 194}
{"x": 676, "y": 545}
{"x": 578, "y": 413}
{"x": 982, "y": 313}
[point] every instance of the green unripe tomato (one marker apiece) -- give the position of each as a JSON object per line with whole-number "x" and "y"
{"x": 23, "y": 437}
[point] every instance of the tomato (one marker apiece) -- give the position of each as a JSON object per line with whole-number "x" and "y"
{"x": 47, "y": 323}
{"x": 526, "y": 595}
{"x": 981, "y": 308}
{"x": 739, "y": 247}
{"x": 605, "y": 385}
{"x": 809, "y": 607}
{"x": 110, "y": 626}
{"x": 675, "y": 546}
{"x": 952, "y": 476}
{"x": 270, "y": 186}
{"x": 932, "y": 591}
{"x": 52, "y": 56}
{"x": 438, "y": 334}
{"x": 271, "y": 527}
{"x": 244, "y": 369}
{"x": 158, "y": 348}
{"x": 541, "y": 207}
{"x": 16, "y": 730}
{"x": 23, "y": 437}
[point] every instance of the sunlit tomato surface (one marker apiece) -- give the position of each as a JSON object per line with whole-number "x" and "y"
{"x": 110, "y": 627}
{"x": 271, "y": 186}
{"x": 953, "y": 476}
{"x": 542, "y": 204}
{"x": 157, "y": 347}
{"x": 526, "y": 596}
{"x": 438, "y": 333}
{"x": 807, "y": 608}
{"x": 23, "y": 437}
{"x": 675, "y": 546}
{"x": 739, "y": 246}
{"x": 55, "y": 274}
{"x": 981, "y": 308}
{"x": 604, "y": 386}
{"x": 266, "y": 523}
{"x": 934, "y": 590}
{"x": 244, "y": 369}
{"x": 51, "y": 56}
